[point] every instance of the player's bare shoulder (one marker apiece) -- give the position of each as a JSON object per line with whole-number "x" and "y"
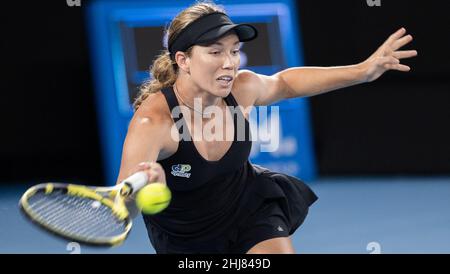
{"x": 153, "y": 121}
{"x": 243, "y": 88}
{"x": 154, "y": 111}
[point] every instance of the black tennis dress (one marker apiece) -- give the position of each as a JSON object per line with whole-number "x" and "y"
{"x": 224, "y": 206}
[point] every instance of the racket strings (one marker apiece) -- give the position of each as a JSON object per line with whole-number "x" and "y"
{"x": 101, "y": 225}
{"x": 76, "y": 216}
{"x": 79, "y": 221}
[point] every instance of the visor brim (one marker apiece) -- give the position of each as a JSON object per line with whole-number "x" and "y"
{"x": 245, "y": 33}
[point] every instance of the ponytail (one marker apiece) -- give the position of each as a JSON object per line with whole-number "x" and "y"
{"x": 164, "y": 72}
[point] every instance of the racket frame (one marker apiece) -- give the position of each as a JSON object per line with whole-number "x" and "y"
{"x": 112, "y": 197}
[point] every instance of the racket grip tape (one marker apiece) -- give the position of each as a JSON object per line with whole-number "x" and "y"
{"x": 133, "y": 183}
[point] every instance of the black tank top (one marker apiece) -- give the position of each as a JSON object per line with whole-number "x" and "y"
{"x": 206, "y": 195}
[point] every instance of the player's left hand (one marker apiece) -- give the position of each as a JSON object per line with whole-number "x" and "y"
{"x": 387, "y": 56}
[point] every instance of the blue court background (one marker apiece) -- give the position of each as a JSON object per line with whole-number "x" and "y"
{"x": 353, "y": 215}
{"x": 396, "y": 214}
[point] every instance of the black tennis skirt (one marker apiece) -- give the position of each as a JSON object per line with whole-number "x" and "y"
{"x": 292, "y": 195}
{"x": 274, "y": 205}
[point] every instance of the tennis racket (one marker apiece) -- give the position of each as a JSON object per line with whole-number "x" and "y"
{"x": 90, "y": 215}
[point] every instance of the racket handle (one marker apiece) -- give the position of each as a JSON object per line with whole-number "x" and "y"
{"x": 133, "y": 183}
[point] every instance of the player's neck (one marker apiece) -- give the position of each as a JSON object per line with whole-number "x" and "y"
{"x": 188, "y": 91}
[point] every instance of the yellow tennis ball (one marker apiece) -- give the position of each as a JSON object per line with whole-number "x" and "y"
{"x": 153, "y": 198}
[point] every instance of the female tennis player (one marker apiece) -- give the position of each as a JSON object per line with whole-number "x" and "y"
{"x": 222, "y": 203}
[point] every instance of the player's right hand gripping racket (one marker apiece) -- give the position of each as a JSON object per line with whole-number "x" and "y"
{"x": 92, "y": 215}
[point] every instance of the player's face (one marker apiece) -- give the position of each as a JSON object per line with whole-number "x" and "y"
{"x": 213, "y": 68}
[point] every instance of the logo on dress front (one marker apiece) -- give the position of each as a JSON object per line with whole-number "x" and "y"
{"x": 181, "y": 170}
